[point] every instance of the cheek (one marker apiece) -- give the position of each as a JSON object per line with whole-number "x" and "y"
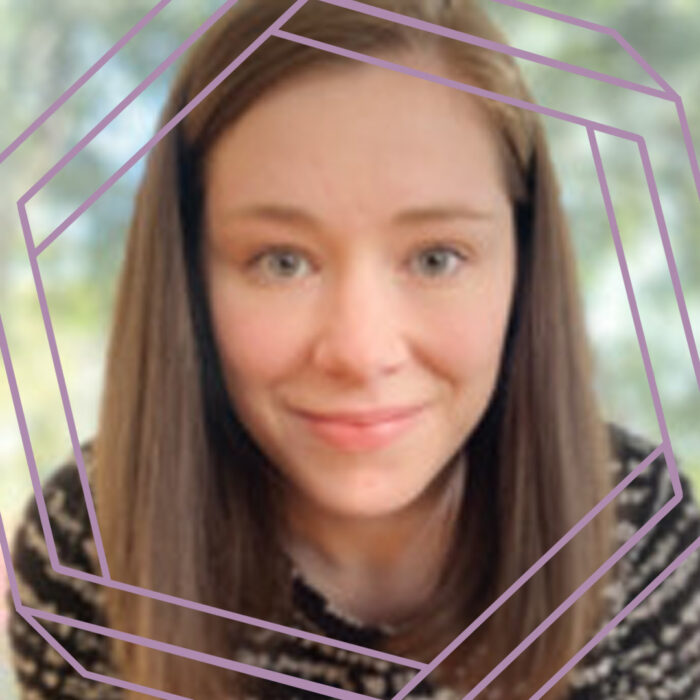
{"x": 468, "y": 336}
{"x": 255, "y": 345}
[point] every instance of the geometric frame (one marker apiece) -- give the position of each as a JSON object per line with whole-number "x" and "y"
{"x": 664, "y": 92}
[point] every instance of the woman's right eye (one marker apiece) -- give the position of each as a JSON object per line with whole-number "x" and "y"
{"x": 278, "y": 262}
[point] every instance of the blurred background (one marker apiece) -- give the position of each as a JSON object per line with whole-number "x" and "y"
{"x": 45, "y": 47}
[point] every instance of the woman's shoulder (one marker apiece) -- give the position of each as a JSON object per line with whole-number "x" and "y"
{"x": 41, "y": 671}
{"x": 654, "y": 648}
{"x": 648, "y": 492}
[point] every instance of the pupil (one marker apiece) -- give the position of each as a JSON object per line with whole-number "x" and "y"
{"x": 287, "y": 261}
{"x": 434, "y": 257}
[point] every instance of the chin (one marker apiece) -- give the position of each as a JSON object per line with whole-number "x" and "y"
{"x": 364, "y": 505}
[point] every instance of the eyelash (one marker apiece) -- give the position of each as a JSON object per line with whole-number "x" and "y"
{"x": 283, "y": 250}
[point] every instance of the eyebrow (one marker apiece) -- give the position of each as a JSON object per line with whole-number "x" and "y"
{"x": 292, "y": 215}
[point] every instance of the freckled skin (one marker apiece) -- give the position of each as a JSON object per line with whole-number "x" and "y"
{"x": 358, "y": 324}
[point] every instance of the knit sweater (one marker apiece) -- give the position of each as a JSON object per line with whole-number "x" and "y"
{"x": 653, "y": 654}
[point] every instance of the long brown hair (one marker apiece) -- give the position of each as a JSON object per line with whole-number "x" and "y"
{"x": 186, "y": 499}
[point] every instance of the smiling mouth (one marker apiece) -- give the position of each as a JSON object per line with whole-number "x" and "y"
{"x": 365, "y": 417}
{"x": 361, "y": 434}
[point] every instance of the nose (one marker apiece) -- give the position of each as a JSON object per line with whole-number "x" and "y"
{"x": 360, "y": 334}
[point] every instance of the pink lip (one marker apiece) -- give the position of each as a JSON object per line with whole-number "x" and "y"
{"x": 366, "y": 431}
{"x": 364, "y": 417}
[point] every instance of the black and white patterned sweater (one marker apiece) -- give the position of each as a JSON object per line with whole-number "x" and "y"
{"x": 653, "y": 654}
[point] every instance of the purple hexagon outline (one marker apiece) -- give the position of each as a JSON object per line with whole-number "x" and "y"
{"x": 667, "y": 93}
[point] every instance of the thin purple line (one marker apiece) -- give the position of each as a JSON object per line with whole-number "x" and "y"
{"x": 639, "y": 598}
{"x": 670, "y": 259}
{"x": 534, "y": 568}
{"x": 688, "y": 139}
{"x": 636, "y": 56}
{"x": 601, "y": 29}
{"x": 432, "y": 28}
{"x": 26, "y": 442}
{"x": 457, "y": 85}
{"x": 83, "y": 79}
{"x": 7, "y": 557}
{"x": 202, "y": 657}
{"x": 634, "y": 309}
{"x": 671, "y": 464}
{"x": 62, "y": 651}
{"x": 552, "y": 14}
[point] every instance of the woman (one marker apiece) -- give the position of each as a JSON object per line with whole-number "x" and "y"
{"x": 305, "y": 423}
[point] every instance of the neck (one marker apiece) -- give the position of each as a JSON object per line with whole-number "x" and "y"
{"x": 379, "y": 569}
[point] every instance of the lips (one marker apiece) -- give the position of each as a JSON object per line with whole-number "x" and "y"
{"x": 361, "y": 431}
{"x": 367, "y": 417}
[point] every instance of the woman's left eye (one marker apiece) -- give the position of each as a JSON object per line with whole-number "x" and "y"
{"x": 281, "y": 262}
{"x": 437, "y": 260}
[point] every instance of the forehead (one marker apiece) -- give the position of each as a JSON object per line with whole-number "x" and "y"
{"x": 359, "y": 136}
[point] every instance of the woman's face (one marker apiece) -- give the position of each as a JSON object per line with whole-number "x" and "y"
{"x": 359, "y": 256}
